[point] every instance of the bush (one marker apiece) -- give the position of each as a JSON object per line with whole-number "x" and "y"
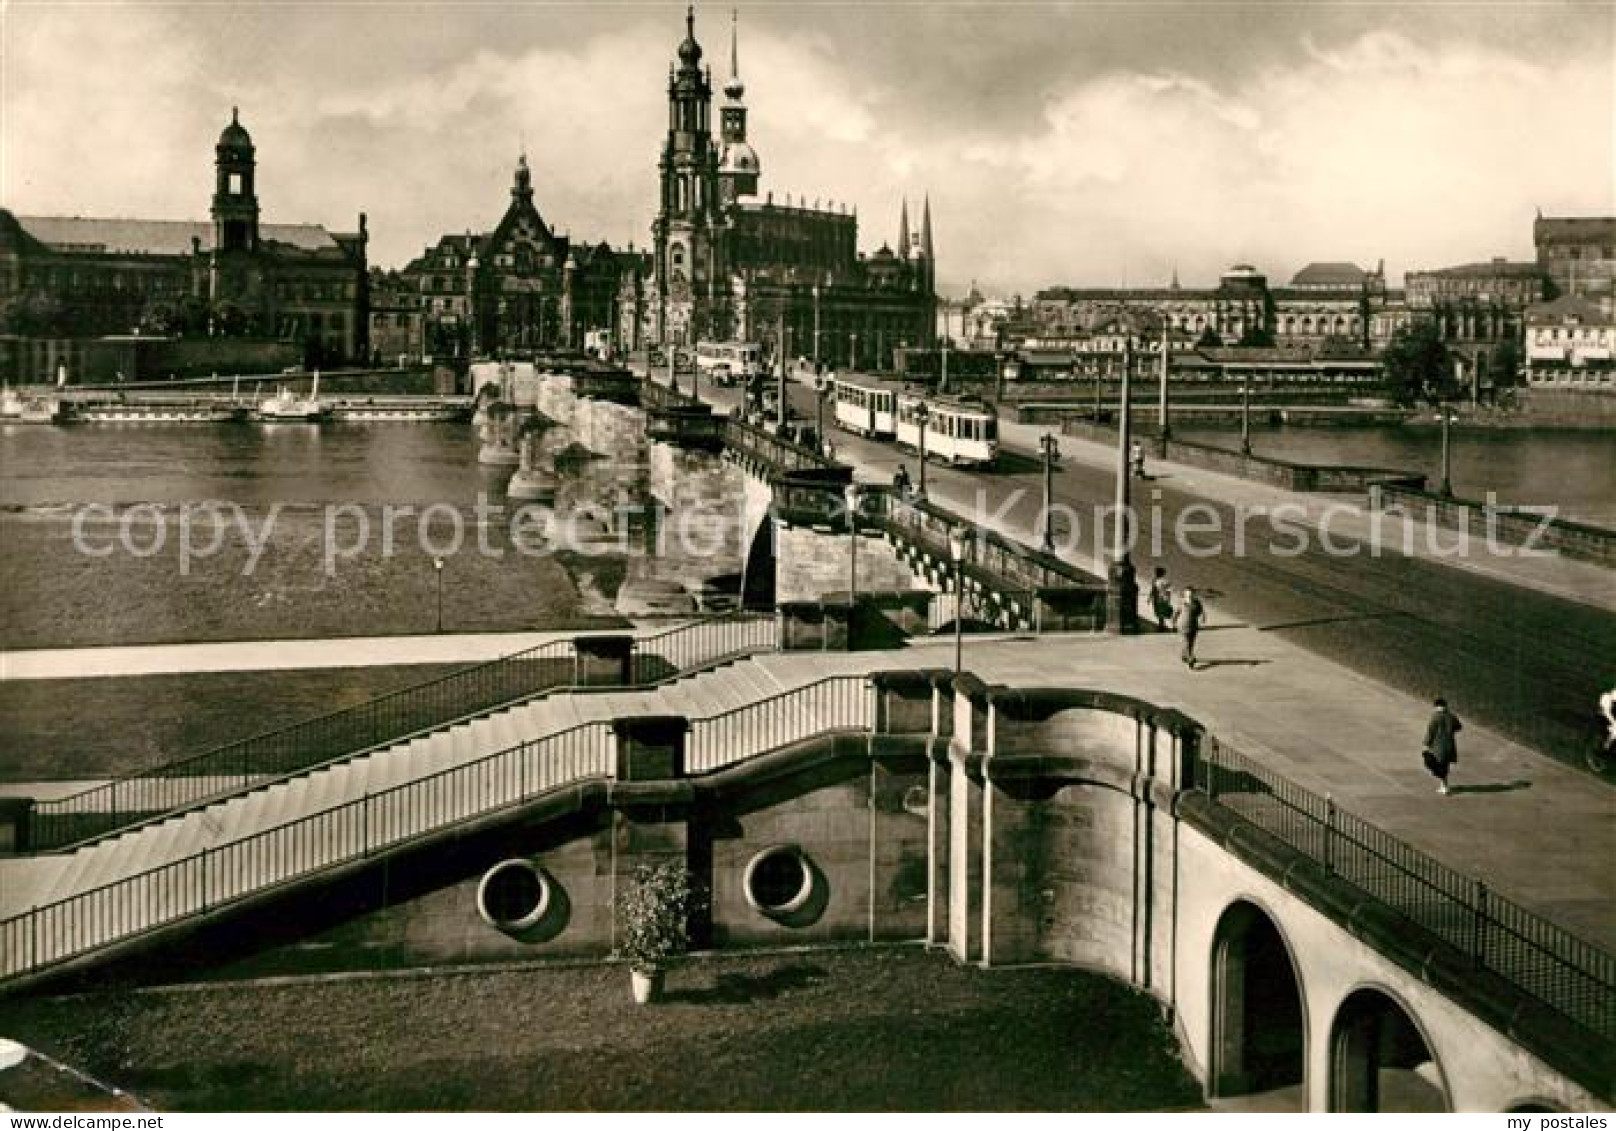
{"x": 655, "y": 911}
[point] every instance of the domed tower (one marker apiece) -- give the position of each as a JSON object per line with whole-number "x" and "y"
{"x": 235, "y": 200}
{"x": 738, "y": 167}
{"x": 684, "y": 232}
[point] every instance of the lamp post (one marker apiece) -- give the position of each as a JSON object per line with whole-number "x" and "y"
{"x": 1165, "y": 430}
{"x": 816, "y": 327}
{"x": 956, "y": 552}
{"x": 1051, "y": 447}
{"x": 942, "y": 382}
{"x": 1123, "y": 614}
{"x": 780, "y": 370}
{"x": 1245, "y": 412}
{"x": 1447, "y": 454}
{"x": 1097, "y": 368}
{"x": 437, "y": 570}
{"x": 852, "y": 351}
{"x": 853, "y": 496}
{"x": 922, "y": 415}
{"x": 821, "y": 393}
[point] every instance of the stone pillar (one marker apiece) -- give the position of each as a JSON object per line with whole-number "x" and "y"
{"x": 967, "y": 820}
{"x": 603, "y": 661}
{"x": 14, "y": 815}
{"x": 651, "y": 805}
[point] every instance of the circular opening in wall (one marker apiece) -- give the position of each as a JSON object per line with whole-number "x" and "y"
{"x": 513, "y": 895}
{"x": 917, "y": 800}
{"x": 778, "y": 881}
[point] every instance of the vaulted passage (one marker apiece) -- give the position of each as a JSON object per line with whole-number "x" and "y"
{"x": 1379, "y": 1060}
{"x": 1258, "y": 1032}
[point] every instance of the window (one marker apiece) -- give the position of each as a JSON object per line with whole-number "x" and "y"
{"x": 235, "y": 184}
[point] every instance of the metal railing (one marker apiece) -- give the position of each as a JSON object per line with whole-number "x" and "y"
{"x": 1569, "y": 974}
{"x": 377, "y": 723}
{"x": 835, "y": 703}
{"x": 225, "y": 874}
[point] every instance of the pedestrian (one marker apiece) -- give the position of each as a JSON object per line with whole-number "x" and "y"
{"x": 900, "y": 481}
{"x": 1191, "y": 615}
{"x": 1137, "y": 452}
{"x": 1441, "y": 743}
{"x": 1161, "y": 599}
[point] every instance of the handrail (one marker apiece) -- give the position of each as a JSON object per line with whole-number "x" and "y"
{"x": 837, "y": 702}
{"x": 1570, "y": 975}
{"x": 216, "y": 877}
{"x": 384, "y": 720}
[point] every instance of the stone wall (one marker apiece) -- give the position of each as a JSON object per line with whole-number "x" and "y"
{"x": 1504, "y": 526}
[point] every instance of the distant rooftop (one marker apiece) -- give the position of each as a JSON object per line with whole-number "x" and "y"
{"x": 156, "y": 237}
{"x": 1330, "y": 275}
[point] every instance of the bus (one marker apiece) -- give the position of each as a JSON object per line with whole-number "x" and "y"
{"x": 963, "y": 432}
{"x": 864, "y": 406}
{"x": 729, "y": 362}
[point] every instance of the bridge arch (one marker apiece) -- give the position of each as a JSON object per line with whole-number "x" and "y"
{"x": 1258, "y": 1010}
{"x": 1381, "y": 1058}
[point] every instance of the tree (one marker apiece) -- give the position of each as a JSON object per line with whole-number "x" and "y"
{"x": 1505, "y": 363}
{"x": 35, "y": 314}
{"x": 1417, "y": 365}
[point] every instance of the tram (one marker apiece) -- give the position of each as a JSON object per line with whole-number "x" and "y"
{"x": 957, "y": 430}
{"x": 866, "y": 406}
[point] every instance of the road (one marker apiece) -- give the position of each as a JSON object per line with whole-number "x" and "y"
{"x": 1520, "y": 662}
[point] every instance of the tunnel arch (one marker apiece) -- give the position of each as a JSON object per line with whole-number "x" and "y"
{"x": 1379, "y": 1053}
{"x": 1259, "y": 1012}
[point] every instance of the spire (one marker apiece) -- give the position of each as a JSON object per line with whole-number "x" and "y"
{"x": 925, "y": 227}
{"x": 1174, "y": 284}
{"x": 734, "y": 88}
{"x": 690, "y": 50}
{"x": 522, "y": 189}
{"x": 903, "y": 230}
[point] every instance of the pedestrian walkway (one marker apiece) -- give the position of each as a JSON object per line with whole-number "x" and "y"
{"x": 1348, "y": 519}
{"x": 269, "y": 655}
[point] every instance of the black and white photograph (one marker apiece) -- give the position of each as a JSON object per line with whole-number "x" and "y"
{"x": 909, "y": 556}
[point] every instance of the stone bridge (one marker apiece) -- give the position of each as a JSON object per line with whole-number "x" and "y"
{"x": 702, "y": 510}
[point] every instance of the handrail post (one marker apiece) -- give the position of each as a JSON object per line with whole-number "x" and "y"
{"x": 1478, "y": 942}
{"x": 202, "y": 881}
{"x": 1329, "y": 833}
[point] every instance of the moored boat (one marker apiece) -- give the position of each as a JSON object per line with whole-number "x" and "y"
{"x": 289, "y": 408}
{"x": 39, "y": 410}
{"x": 159, "y": 413}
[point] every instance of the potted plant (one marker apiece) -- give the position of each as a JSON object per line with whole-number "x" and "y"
{"x": 655, "y": 913}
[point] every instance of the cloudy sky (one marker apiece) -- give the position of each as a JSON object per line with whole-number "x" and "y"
{"x": 1085, "y": 143}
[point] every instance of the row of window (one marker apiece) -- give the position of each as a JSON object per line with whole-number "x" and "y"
{"x": 1584, "y": 334}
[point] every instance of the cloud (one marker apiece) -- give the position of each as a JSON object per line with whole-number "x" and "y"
{"x": 1082, "y": 145}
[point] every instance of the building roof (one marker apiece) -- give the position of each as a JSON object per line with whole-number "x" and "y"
{"x": 156, "y": 237}
{"x": 1574, "y": 228}
{"x": 1493, "y": 269}
{"x": 1330, "y": 275}
{"x": 1568, "y": 308}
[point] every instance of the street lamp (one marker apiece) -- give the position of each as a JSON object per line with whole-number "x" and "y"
{"x": 922, "y": 416}
{"x": 1165, "y": 430}
{"x": 780, "y": 372}
{"x": 1245, "y": 412}
{"x": 437, "y": 570}
{"x": 1124, "y": 592}
{"x": 956, "y": 553}
{"x": 1447, "y": 455}
{"x": 854, "y": 496}
{"x": 1051, "y": 447}
{"x": 821, "y": 394}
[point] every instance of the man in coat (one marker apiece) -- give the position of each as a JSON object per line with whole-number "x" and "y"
{"x": 1191, "y": 615}
{"x": 1441, "y": 743}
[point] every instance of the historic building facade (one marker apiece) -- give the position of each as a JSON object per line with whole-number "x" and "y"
{"x": 1577, "y": 254}
{"x": 73, "y": 278}
{"x": 1571, "y": 343}
{"x": 729, "y": 265}
{"x": 518, "y": 287}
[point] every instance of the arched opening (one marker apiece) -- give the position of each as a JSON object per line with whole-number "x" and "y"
{"x": 1379, "y": 1059}
{"x": 758, "y": 574}
{"x": 1259, "y": 1035}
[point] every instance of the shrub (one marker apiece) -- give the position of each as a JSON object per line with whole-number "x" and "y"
{"x": 655, "y": 913}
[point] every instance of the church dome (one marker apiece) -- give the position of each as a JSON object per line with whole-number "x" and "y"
{"x": 690, "y": 50}
{"x": 738, "y": 157}
{"x": 235, "y": 136}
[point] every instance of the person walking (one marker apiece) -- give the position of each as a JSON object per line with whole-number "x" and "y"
{"x": 1441, "y": 743}
{"x": 1137, "y": 459}
{"x": 1191, "y": 615}
{"x": 1161, "y": 599}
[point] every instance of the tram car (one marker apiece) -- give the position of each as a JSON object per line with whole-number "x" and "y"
{"x": 959, "y": 431}
{"x": 866, "y": 406}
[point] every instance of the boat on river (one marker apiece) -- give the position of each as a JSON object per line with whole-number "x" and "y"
{"x": 286, "y": 407}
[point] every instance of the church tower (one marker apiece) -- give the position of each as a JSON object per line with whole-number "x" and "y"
{"x": 235, "y": 200}
{"x": 738, "y": 167}
{"x": 686, "y": 248}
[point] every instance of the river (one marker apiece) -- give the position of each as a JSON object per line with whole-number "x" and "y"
{"x": 1574, "y": 471}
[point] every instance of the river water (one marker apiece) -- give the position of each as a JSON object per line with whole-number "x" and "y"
{"x": 1574, "y": 471}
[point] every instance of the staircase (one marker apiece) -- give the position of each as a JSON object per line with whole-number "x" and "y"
{"x": 484, "y": 690}
{"x": 55, "y": 908}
